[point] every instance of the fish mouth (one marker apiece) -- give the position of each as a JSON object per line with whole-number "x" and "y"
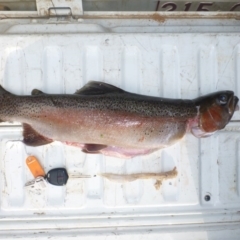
{"x": 236, "y": 108}
{"x": 233, "y": 105}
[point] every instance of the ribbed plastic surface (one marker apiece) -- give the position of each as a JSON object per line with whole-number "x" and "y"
{"x": 168, "y": 65}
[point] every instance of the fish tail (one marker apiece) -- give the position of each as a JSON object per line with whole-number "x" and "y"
{"x": 3, "y": 91}
{"x": 3, "y": 94}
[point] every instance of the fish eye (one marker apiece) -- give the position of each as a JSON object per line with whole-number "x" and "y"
{"x": 222, "y": 99}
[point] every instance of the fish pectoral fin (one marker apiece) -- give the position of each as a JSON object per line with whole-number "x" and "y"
{"x": 93, "y": 148}
{"x": 98, "y": 88}
{"x": 32, "y": 138}
{"x": 37, "y": 92}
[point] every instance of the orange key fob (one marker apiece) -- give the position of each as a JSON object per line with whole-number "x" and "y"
{"x": 35, "y": 167}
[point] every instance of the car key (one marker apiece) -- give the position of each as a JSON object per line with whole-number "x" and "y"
{"x": 56, "y": 176}
{"x": 59, "y": 176}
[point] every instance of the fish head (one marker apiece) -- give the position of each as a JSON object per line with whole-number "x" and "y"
{"x": 214, "y": 112}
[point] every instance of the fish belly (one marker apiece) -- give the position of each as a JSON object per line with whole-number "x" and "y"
{"x": 123, "y": 131}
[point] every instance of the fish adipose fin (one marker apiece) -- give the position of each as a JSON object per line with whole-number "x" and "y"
{"x": 98, "y": 88}
{"x": 37, "y": 92}
{"x": 33, "y": 138}
{"x": 93, "y": 148}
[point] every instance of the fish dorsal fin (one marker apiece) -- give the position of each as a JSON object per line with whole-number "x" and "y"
{"x": 3, "y": 91}
{"x": 37, "y": 92}
{"x": 98, "y": 88}
{"x": 32, "y": 138}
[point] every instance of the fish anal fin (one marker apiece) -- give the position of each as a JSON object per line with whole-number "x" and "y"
{"x": 93, "y": 148}
{"x": 32, "y": 138}
{"x": 37, "y": 92}
{"x": 98, "y": 88}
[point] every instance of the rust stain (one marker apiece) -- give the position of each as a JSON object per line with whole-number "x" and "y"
{"x": 158, "y": 18}
{"x": 158, "y": 184}
{"x": 161, "y": 17}
{"x": 155, "y": 16}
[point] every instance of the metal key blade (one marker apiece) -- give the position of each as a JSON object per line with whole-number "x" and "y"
{"x": 60, "y": 176}
{"x": 76, "y": 175}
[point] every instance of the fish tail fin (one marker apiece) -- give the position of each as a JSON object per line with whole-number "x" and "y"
{"x": 3, "y": 91}
{"x": 5, "y": 104}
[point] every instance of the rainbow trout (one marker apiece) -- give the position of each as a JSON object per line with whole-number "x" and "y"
{"x": 101, "y": 118}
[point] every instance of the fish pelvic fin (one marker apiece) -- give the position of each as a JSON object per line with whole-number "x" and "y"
{"x": 32, "y": 138}
{"x": 98, "y": 88}
{"x": 93, "y": 148}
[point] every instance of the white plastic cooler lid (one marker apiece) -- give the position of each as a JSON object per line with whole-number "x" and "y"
{"x": 169, "y": 58}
